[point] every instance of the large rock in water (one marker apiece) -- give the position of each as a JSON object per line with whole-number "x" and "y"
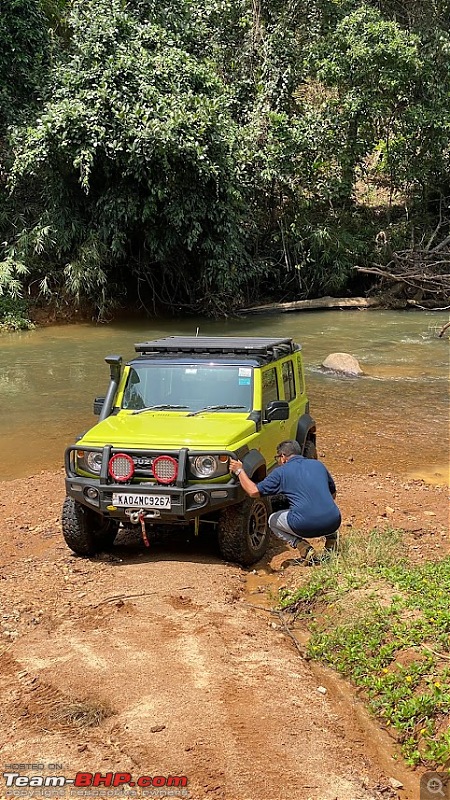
{"x": 342, "y": 363}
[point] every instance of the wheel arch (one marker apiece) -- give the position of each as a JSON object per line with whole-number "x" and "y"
{"x": 254, "y": 465}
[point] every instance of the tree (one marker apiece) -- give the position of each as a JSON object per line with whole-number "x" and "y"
{"x": 24, "y": 56}
{"x": 189, "y": 154}
{"x": 372, "y": 67}
{"x": 132, "y": 161}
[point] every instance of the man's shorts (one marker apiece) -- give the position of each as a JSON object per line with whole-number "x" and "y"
{"x": 279, "y": 525}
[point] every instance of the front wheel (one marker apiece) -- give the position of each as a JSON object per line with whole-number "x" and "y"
{"x": 85, "y": 531}
{"x": 243, "y": 531}
{"x": 310, "y": 450}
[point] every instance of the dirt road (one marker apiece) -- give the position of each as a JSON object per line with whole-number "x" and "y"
{"x": 162, "y": 648}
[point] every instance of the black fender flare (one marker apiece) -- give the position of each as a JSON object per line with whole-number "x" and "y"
{"x": 306, "y": 429}
{"x": 254, "y": 465}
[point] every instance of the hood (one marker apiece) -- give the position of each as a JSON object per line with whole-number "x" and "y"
{"x": 167, "y": 430}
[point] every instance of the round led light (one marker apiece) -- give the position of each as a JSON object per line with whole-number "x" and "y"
{"x": 94, "y": 461}
{"x": 205, "y": 466}
{"x": 92, "y": 493}
{"x": 121, "y": 467}
{"x": 165, "y": 469}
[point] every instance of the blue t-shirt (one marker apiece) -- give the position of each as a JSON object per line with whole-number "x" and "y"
{"x": 308, "y": 487}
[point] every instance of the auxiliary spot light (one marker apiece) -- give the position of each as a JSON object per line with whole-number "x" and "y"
{"x": 121, "y": 467}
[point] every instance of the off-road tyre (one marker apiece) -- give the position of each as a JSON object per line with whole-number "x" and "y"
{"x": 84, "y": 531}
{"x": 243, "y": 531}
{"x": 310, "y": 450}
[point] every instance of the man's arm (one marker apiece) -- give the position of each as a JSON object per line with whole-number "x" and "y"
{"x": 247, "y": 484}
{"x": 331, "y": 485}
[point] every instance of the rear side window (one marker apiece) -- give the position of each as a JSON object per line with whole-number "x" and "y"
{"x": 269, "y": 386}
{"x": 288, "y": 380}
{"x": 299, "y": 377}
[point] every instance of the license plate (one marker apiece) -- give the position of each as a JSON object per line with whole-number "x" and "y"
{"x": 126, "y": 500}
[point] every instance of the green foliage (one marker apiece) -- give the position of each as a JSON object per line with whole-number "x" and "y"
{"x": 13, "y": 308}
{"x": 199, "y": 156}
{"x": 133, "y": 155}
{"x": 11, "y": 276}
{"x": 14, "y": 314}
{"x": 372, "y": 65}
{"x": 396, "y": 650}
{"x": 24, "y": 55}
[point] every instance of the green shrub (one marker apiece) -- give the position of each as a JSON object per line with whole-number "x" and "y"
{"x": 14, "y": 314}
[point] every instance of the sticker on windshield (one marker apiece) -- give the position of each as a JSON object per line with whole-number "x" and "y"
{"x": 244, "y": 381}
{"x": 245, "y": 372}
{"x": 190, "y": 371}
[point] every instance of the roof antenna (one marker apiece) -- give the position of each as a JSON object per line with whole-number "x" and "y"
{"x": 196, "y": 332}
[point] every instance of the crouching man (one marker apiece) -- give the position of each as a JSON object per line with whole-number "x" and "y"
{"x": 310, "y": 491}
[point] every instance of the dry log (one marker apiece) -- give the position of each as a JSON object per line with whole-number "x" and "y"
{"x": 319, "y": 303}
{"x": 443, "y": 329}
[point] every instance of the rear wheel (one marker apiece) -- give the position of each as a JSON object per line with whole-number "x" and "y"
{"x": 310, "y": 450}
{"x": 85, "y": 531}
{"x": 244, "y": 532}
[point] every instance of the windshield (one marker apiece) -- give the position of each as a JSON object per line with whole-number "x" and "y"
{"x": 192, "y": 386}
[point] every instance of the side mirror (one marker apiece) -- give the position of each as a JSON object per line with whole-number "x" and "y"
{"x": 276, "y": 409}
{"x": 98, "y": 405}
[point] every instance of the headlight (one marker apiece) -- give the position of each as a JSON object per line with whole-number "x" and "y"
{"x": 94, "y": 461}
{"x": 90, "y": 461}
{"x": 204, "y": 466}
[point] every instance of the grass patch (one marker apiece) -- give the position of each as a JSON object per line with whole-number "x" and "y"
{"x": 385, "y": 625}
{"x": 81, "y": 714}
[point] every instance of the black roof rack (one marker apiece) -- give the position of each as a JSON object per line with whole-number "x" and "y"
{"x": 229, "y": 345}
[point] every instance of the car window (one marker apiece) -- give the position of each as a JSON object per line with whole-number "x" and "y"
{"x": 269, "y": 386}
{"x": 288, "y": 380}
{"x": 133, "y": 396}
{"x": 299, "y": 377}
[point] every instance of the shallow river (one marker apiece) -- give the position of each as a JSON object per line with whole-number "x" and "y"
{"x": 395, "y": 419}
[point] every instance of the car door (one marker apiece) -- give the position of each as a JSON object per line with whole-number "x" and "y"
{"x": 271, "y": 432}
{"x": 293, "y": 392}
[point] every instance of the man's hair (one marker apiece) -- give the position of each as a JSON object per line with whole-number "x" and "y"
{"x": 289, "y": 448}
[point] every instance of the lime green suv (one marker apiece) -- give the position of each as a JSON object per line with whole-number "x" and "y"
{"x": 171, "y": 420}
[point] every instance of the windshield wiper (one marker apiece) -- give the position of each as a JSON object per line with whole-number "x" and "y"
{"x": 162, "y": 407}
{"x": 211, "y": 408}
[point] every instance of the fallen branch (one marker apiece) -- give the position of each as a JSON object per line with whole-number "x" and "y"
{"x": 286, "y": 630}
{"x": 121, "y": 597}
{"x": 319, "y": 303}
{"x": 301, "y": 650}
{"x": 260, "y": 608}
{"x": 443, "y": 329}
{"x": 435, "y": 652}
{"x": 422, "y": 278}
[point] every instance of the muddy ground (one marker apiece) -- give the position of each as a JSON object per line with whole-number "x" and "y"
{"x": 163, "y": 648}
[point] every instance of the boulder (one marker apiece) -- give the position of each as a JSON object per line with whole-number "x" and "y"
{"x": 343, "y": 363}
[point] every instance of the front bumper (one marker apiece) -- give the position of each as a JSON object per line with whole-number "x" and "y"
{"x": 185, "y": 506}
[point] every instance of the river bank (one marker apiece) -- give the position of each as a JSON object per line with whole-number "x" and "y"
{"x": 87, "y": 647}
{"x": 21, "y": 316}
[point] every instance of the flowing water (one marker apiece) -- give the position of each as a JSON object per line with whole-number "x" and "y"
{"x": 394, "y": 419}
